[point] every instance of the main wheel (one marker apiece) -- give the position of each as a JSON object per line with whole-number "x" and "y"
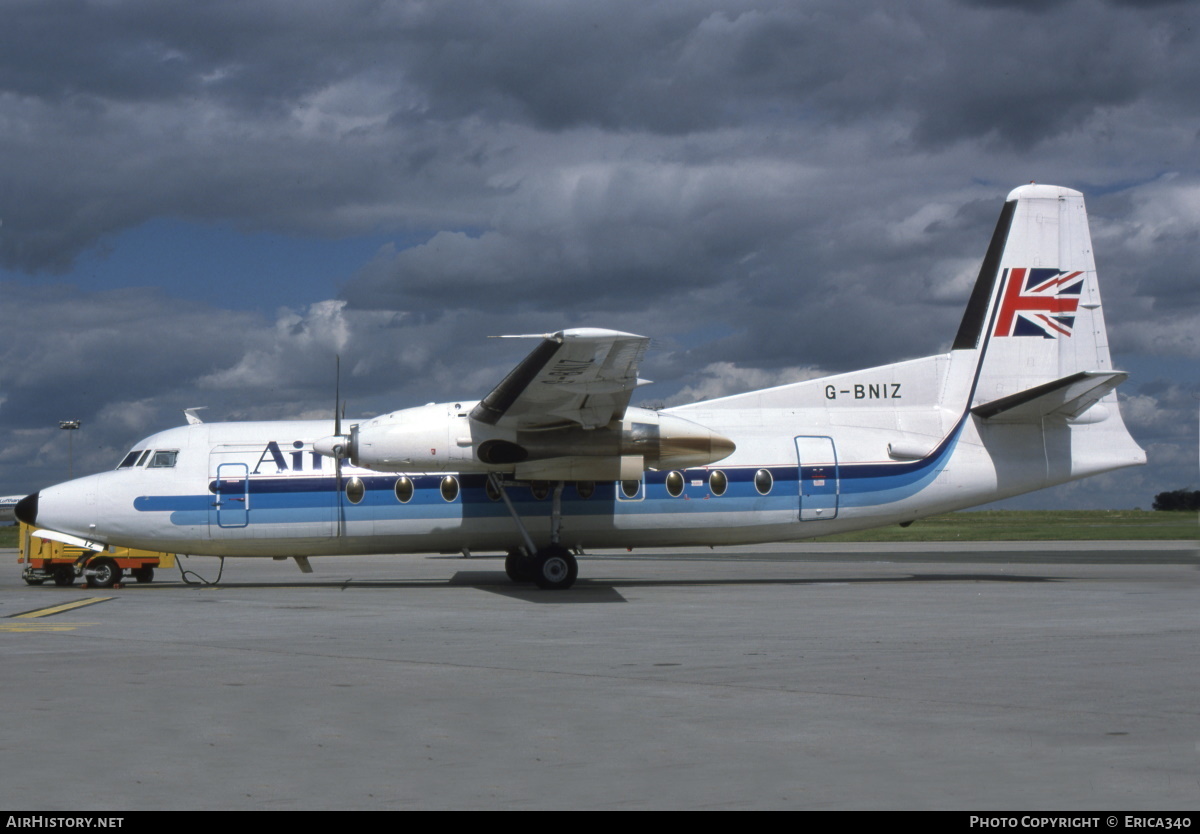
{"x": 105, "y": 574}
{"x": 64, "y": 575}
{"x": 555, "y": 568}
{"x": 518, "y": 566}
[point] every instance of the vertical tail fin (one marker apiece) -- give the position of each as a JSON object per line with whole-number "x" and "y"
{"x": 1035, "y": 313}
{"x": 1034, "y": 331}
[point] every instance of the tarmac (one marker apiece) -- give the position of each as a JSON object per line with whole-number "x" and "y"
{"x": 975, "y": 677}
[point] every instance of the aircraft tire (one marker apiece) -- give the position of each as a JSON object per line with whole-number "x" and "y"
{"x": 107, "y": 573}
{"x": 64, "y": 575}
{"x": 518, "y": 566}
{"x": 555, "y": 568}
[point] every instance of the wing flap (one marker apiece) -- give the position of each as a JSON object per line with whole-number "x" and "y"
{"x": 578, "y": 468}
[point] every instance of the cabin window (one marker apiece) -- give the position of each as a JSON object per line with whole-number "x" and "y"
{"x": 164, "y": 459}
{"x": 585, "y": 488}
{"x": 355, "y": 490}
{"x": 630, "y": 489}
{"x": 763, "y": 481}
{"x": 449, "y": 487}
{"x": 404, "y": 489}
{"x": 540, "y": 490}
{"x": 493, "y": 491}
{"x": 675, "y": 484}
{"x": 717, "y": 482}
{"x": 130, "y": 459}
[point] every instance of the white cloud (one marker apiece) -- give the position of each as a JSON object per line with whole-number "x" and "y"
{"x": 720, "y": 379}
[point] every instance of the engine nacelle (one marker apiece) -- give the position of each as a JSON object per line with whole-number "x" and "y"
{"x": 443, "y": 437}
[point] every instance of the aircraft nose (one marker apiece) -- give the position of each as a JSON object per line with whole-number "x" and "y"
{"x": 27, "y": 509}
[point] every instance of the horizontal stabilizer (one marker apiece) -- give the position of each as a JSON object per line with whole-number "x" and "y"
{"x": 1068, "y": 397}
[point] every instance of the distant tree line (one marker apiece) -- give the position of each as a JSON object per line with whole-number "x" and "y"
{"x": 1180, "y": 499}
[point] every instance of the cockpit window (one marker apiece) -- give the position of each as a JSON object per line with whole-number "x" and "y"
{"x": 164, "y": 458}
{"x": 142, "y": 459}
{"x": 130, "y": 459}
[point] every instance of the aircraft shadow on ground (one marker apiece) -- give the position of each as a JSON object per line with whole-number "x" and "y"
{"x": 591, "y": 591}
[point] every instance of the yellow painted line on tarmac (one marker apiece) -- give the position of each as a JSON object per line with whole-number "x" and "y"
{"x": 58, "y": 609}
{"x": 11, "y": 627}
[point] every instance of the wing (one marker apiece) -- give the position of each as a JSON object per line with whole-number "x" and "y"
{"x": 584, "y": 376}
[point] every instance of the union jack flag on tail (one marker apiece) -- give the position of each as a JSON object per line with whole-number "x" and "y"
{"x": 1038, "y": 302}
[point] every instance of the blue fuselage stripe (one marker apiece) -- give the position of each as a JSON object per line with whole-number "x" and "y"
{"x": 292, "y": 499}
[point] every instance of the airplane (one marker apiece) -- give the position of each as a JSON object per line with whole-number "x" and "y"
{"x": 554, "y": 459}
{"x": 8, "y": 506}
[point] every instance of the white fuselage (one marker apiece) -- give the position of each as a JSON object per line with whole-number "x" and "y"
{"x": 850, "y": 452}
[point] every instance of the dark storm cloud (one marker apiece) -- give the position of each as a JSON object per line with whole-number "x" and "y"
{"x": 346, "y": 118}
{"x": 952, "y": 72}
{"x": 121, "y": 343}
{"x": 594, "y": 233}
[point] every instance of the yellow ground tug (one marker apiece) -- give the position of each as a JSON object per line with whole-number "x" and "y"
{"x": 46, "y": 559}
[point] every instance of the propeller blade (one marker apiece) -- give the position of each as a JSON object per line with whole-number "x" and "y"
{"x": 339, "y": 449}
{"x": 341, "y": 510}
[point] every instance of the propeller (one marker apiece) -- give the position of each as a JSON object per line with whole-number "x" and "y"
{"x": 339, "y": 446}
{"x": 338, "y": 450}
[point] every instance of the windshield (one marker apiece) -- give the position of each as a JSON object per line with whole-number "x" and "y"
{"x": 130, "y": 459}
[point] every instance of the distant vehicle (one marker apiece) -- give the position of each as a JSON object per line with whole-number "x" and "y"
{"x": 554, "y": 459}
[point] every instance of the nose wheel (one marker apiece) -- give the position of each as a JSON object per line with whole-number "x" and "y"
{"x": 102, "y": 573}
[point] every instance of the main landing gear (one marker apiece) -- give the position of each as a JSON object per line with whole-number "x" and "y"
{"x": 552, "y": 568}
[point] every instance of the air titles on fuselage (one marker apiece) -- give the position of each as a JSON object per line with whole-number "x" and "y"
{"x": 272, "y": 454}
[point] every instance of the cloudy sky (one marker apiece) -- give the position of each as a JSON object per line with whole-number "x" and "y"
{"x": 202, "y": 203}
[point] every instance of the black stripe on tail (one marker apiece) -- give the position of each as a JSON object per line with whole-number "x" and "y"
{"x": 974, "y": 320}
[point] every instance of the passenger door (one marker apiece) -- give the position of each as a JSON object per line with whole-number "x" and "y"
{"x": 819, "y": 482}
